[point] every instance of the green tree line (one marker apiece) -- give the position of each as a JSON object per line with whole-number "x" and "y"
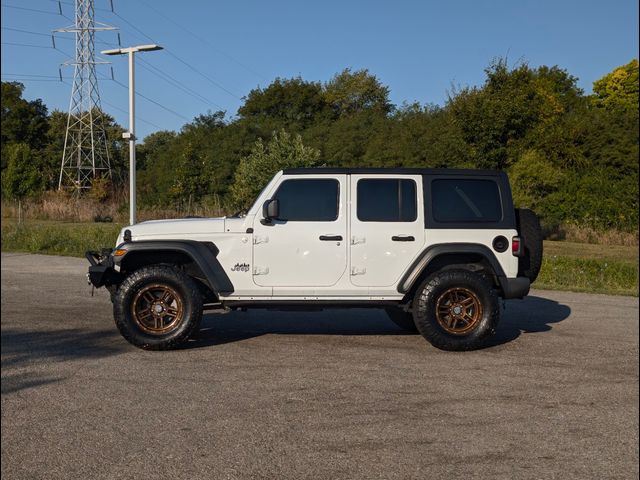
{"x": 572, "y": 157}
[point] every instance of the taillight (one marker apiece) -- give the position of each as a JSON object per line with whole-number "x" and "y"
{"x": 516, "y": 246}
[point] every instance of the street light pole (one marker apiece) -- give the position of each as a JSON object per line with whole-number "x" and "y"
{"x": 130, "y": 135}
{"x": 132, "y": 138}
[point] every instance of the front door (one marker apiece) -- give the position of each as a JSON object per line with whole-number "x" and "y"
{"x": 306, "y": 246}
{"x": 387, "y": 227}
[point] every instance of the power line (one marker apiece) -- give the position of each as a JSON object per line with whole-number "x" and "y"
{"x": 34, "y": 10}
{"x": 29, "y": 75}
{"x": 61, "y": 1}
{"x": 205, "y": 76}
{"x": 176, "y": 83}
{"x": 32, "y": 33}
{"x": 203, "y": 40}
{"x": 30, "y": 79}
{"x": 125, "y": 111}
{"x": 149, "y": 67}
{"x": 124, "y": 86}
{"x": 138, "y": 117}
{"x": 25, "y": 45}
{"x": 149, "y": 99}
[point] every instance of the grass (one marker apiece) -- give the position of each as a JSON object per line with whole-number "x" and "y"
{"x": 582, "y": 267}
{"x": 57, "y": 238}
{"x": 570, "y": 266}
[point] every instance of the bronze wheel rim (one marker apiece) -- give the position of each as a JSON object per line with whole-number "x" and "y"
{"x": 157, "y": 309}
{"x": 458, "y": 310}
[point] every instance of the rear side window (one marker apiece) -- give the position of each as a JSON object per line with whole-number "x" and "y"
{"x": 387, "y": 200}
{"x": 465, "y": 201}
{"x": 310, "y": 200}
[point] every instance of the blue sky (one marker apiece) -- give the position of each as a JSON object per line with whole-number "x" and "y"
{"x": 219, "y": 51}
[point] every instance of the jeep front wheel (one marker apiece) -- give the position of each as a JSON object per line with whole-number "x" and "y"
{"x": 456, "y": 310}
{"x": 157, "y": 307}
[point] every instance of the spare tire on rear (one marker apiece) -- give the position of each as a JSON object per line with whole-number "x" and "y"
{"x": 531, "y": 237}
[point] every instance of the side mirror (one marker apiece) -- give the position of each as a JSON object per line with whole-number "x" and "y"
{"x": 271, "y": 209}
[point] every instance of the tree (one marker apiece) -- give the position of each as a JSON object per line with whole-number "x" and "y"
{"x": 22, "y": 177}
{"x": 189, "y": 184}
{"x": 533, "y": 177}
{"x": 618, "y": 88}
{"x": 256, "y": 169}
{"x": 497, "y": 120}
{"x": 350, "y": 92}
{"x": 22, "y": 121}
{"x": 290, "y": 102}
{"x": 154, "y": 144}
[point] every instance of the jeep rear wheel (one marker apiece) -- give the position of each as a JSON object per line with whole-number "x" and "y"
{"x": 456, "y": 310}
{"x": 157, "y": 307}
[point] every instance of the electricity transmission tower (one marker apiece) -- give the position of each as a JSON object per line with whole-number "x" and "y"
{"x": 86, "y": 155}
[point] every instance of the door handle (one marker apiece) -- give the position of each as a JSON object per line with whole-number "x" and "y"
{"x": 403, "y": 238}
{"x": 331, "y": 238}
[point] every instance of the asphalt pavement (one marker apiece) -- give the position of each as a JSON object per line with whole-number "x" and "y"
{"x": 338, "y": 394}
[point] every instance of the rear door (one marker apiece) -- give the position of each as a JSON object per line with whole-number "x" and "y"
{"x": 387, "y": 227}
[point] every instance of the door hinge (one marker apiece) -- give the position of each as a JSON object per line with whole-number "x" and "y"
{"x": 357, "y": 240}
{"x": 358, "y": 271}
{"x": 260, "y": 270}
{"x": 260, "y": 239}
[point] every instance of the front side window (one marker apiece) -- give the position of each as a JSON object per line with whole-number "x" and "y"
{"x": 387, "y": 200}
{"x": 309, "y": 200}
{"x": 465, "y": 201}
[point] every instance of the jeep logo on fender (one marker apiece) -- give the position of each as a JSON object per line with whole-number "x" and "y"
{"x": 240, "y": 267}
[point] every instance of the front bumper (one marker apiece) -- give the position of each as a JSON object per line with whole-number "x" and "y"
{"x": 514, "y": 287}
{"x": 101, "y": 272}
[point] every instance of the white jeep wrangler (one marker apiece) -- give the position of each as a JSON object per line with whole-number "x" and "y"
{"x": 435, "y": 248}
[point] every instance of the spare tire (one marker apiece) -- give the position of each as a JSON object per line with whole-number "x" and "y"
{"x": 531, "y": 237}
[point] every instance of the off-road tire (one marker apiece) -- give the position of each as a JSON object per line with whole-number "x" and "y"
{"x": 430, "y": 296}
{"x": 530, "y": 232}
{"x": 172, "y": 279}
{"x": 402, "y": 319}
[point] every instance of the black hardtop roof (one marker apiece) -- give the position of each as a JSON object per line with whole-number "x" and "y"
{"x": 387, "y": 171}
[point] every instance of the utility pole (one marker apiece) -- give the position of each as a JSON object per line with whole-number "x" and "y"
{"x": 86, "y": 153}
{"x": 130, "y": 135}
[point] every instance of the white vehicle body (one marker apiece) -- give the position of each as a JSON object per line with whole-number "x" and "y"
{"x": 338, "y": 259}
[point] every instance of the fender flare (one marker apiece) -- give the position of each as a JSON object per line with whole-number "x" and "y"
{"x": 430, "y": 253}
{"x": 203, "y": 255}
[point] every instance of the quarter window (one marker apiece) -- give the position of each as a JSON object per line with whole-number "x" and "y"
{"x": 310, "y": 200}
{"x": 387, "y": 200}
{"x": 465, "y": 201}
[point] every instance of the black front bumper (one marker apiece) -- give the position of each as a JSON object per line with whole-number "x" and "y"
{"x": 101, "y": 272}
{"x": 514, "y": 287}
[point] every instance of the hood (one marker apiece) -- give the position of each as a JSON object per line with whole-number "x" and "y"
{"x": 182, "y": 228}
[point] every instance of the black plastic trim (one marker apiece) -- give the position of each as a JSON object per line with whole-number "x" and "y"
{"x": 500, "y": 244}
{"x": 388, "y": 171}
{"x": 433, "y": 251}
{"x": 309, "y": 304}
{"x": 331, "y": 238}
{"x": 203, "y": 254}
{"x": 514, "y": 287}
{"x": 403, "y": 238}
{"x": 103, "y": 276}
